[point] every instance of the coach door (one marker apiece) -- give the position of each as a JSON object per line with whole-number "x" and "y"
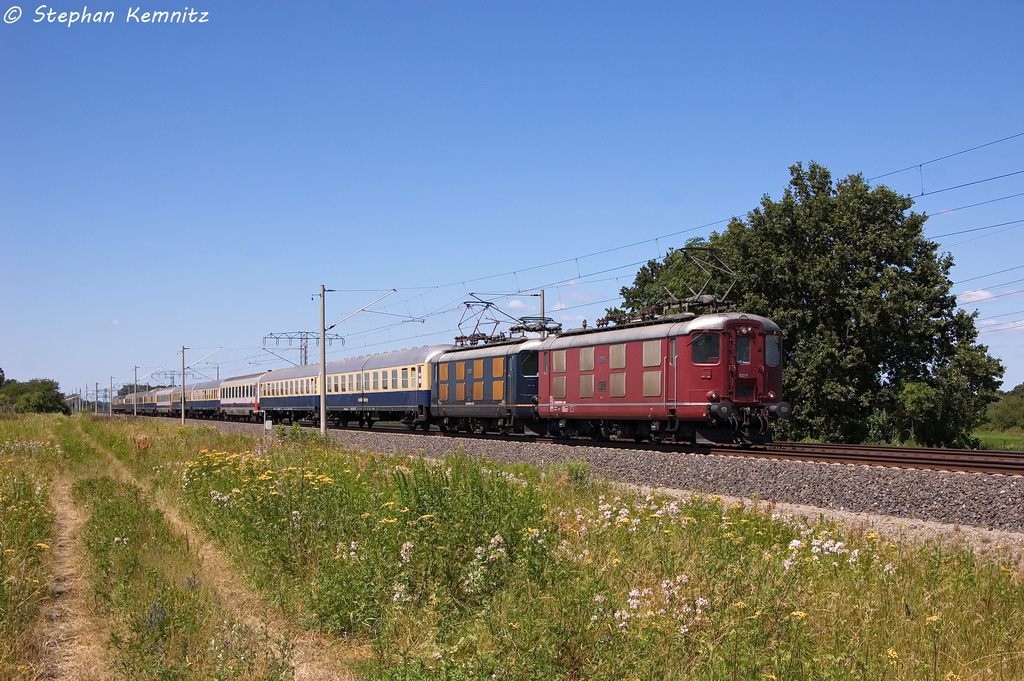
{"x": 746, "y": 378}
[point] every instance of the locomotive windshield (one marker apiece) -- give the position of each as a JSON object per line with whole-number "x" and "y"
{"x": 704, "y": 348}
{"x": 773, "y": 350}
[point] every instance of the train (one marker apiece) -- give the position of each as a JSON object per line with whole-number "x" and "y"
{"x": 691, "y": 378}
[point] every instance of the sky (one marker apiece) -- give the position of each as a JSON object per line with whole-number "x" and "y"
{"x": 195, "y": 183}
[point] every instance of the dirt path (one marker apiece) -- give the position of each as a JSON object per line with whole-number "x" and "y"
{"x": 74, "y": 634}
{"x": 315, "y": 656}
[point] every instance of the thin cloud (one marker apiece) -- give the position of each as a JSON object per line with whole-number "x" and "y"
{"x": 112, "y": 322}
{"x": 975, "y": 296}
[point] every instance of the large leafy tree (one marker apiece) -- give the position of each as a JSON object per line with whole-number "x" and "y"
{"x": 876, "y": 346}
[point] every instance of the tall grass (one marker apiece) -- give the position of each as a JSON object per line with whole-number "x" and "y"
{"x": 26, "y": 526}
{"x": 465, "y": 569}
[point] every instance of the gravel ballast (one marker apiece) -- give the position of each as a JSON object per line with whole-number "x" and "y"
{"x": 994, "y": 502}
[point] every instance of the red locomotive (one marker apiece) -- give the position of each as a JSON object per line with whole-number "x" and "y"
{"x": 687, "y": 377}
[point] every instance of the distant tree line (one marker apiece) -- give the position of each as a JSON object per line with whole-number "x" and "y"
{"x": 37, "y": 395}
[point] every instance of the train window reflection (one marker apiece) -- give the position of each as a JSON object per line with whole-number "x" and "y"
{"x": 704, "y": 348}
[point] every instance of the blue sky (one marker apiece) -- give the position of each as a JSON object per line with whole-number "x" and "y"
{"x": 193, "y": 184}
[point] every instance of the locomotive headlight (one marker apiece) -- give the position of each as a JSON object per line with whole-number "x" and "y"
{"x": 712, "y": 396}
{"x": 771, "y": 396}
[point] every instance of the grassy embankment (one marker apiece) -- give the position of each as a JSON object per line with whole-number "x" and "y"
{"x": 161, "y": 620}
{"x": 470, "y": 570}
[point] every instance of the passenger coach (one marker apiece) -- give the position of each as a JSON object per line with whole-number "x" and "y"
{"x": 390, "y": 386}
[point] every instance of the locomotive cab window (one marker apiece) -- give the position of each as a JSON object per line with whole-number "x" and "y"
{"x": 773, "y": 350}
{"x": 528, "y": 364}
{"x": 743, "y": 350}
{"x": 705, "y": 348}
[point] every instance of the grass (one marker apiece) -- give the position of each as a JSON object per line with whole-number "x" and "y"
{"x": 464, "y": 569}
{"x": 166, "y": 624}
{"x": 1006, "y": 440}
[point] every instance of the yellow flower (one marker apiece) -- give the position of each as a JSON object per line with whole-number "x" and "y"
{"x": 892, "y": 654}
{"x": 365, "y": 515}
{"x": 739, "y": 605}
{"x": 872, "y": 534}
{"x": 934, "y": 618}
{"x": 798, "y": 614}
{"x": 43, "y": 546}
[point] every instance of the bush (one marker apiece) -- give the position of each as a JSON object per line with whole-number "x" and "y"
{"x": 1007, "y": 413}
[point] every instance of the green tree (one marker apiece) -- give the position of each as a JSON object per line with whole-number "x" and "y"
{"x": 37, "y": 395}
{"x": 1, "y": 378}
{"x": 876, "y": 346}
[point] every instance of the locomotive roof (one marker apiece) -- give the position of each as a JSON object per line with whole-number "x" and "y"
{"x": 493, "y": 350}
{"x": 362, "y": 363}
{"x": 706, "y": 322}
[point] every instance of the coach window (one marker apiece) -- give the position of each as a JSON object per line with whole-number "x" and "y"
{"x": 587, "y": 360}
{"x": 705, "y": 348}
{"x": 558, "y": 387}
{"x": 366, "y": 380}
{"x": 558, "y": 361}
{"x": 773, "y": 350}
{"x": 394, "y": 379}
{"x": 652, "y": 353}
{"x": 376, "y": 383}
{"x": 384, "y": 380}
{"x": 743, "y": 350}
{"x": 617, "y": 356}
{"x": 405, "y": 378}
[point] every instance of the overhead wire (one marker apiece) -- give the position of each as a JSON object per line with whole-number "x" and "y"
{"x": 943, "y": 158}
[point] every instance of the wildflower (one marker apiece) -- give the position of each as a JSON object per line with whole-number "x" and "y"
{"x": 798, "y": 614}
{"x": 892, "y": 655}
{"x": 739, "y": 605}
{"x": 43, "y": 546}
{"x": 599, "y": 598}
{"x": 934, "y": 618}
